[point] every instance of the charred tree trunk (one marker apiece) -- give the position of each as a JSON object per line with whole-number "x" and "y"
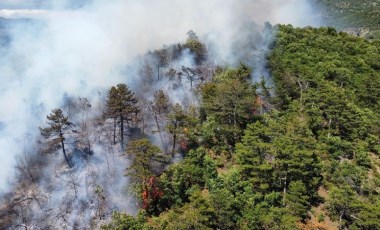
{"x": 159, "y": 132}
{"x": 122, "y": 131}
{"x": 174, "y": 138}
{"x": 114, "y": 131}
{"x": 64, "y": 151}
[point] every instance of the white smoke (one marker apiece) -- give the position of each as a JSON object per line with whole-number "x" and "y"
{"x": 79, "y": 50}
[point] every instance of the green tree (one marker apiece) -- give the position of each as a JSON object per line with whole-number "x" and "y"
{"x": 161, "y": 109}
{"x": 143, "y": 155}
{"x": 229, "y": 99}
{"x": 121, "y": 106}
{"x": 297, "y": 200}
{"x": 177, "y": 119}
{"x": 55, "y": 133}
{"x": 256, "y": 153}
{"x": 343, "y": 205}
{"x": 369, "y": 216}
{"x": 122, "y": 221}
{"x": 197, "y": 48}
{"x": 178, "y": 180}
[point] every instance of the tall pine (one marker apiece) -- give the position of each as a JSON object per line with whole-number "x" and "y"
{"x": 121, "y": 106}
{"x": 59, "y": 126}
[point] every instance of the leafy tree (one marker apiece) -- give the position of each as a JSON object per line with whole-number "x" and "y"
{"x": 55, "y": 133}
{"x": 121, "y": 106}
{"x": 226, "y": 209}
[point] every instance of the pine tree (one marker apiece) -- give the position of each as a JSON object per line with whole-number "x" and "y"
{"x": 146, "y": 163}
{"x": 297, "y": 200}
{"x": 160, "y": 108}
{"x": 121, "y": 106}
{"x": 176, "y": 121}
{"x": 229, "y": 98}
{"x": 143, "y": 154}
{"x": 59, "y": 126}
{"x": 255, "y": 155}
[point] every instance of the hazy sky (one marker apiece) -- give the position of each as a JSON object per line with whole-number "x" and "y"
{"x": 41, "y": 4}
{"x": 21, "y": 4}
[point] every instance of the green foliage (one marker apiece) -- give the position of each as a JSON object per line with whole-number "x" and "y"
{"x": 318, "y": 59}
{"x": 352, "y": 14}
{"x": 369, "y": 216}
{"x": 297, "y": 199}
{"x": 229, "y": 102}
{"x": 343, "y": 205}
{"x": 178, "y": 180}
{"x": 143, "y": 155}
{"x": 277, "y": 150}
{"x": 177, "y": 121}
{"x": 195, "y": 215}
{"x": 331, "y": 81}
{"x": 122, "y": 221}
{"x": 322, "y": 129}
{"x": 121, "y": 105}
{"x": 161, "y": 104}
{"x": 55, "y": 133}
{"x": 197, "y": 48}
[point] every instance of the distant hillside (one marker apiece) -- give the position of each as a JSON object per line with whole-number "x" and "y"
{"x": 357, "y": 17}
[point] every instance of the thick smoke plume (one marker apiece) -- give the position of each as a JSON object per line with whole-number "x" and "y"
{"x": 81, "y": 49}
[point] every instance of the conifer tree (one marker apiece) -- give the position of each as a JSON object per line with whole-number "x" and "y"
{"x": 121, "y": 105}
{"x": 59, "y": 126}
{"x": 143, "y": 154}
{"x": 177, "y": 119}
{"x": 160, "y": 109}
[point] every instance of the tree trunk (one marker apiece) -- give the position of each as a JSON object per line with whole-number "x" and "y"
{"x": 340, "y": 220}
{"x": 174, "y": 138}
{"x": 122, "y": 131}
{"x": 159, "y": 132}
{"x": 158, "y": 73}
{"x": 285, "y": 183}
{"x": 114, "y": 131}
{"x": 64, "y": 153}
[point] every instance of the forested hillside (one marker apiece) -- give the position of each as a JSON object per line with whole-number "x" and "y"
{"x": 358, "y": 17}
{"x": 278, "y": 129}
{"x": 302, "y": 154}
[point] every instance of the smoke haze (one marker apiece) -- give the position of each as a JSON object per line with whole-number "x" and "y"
{"x": 78, "y": 48}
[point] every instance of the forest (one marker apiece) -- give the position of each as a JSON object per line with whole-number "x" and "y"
{"x": 303, "y": 156}
{"x": 290, "y": 140}
{"x": 359, "y": 17}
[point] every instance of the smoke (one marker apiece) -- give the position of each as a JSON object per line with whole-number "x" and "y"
{"x": 80, "y": 48}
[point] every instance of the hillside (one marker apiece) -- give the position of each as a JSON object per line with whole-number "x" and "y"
{"x": 357, "y": 17}
{"x": 245, "y": 126}
{"x": 304, "y": 155}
